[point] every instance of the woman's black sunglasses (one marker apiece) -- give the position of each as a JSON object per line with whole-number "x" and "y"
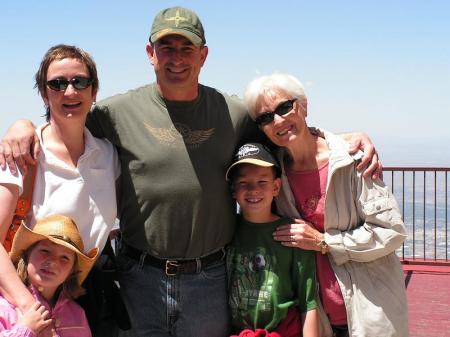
{"x": 282, "y": 109}
{"x": 78, "y": 82}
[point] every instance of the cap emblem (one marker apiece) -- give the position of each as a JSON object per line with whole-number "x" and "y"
{"x": 177, "y": 18}
{"x": 247, "y": 150}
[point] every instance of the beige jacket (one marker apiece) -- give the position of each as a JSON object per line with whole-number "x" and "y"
{"x": 363, "y": 228}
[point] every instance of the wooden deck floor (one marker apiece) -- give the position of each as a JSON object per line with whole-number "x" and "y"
{"x": 428, "y": 291}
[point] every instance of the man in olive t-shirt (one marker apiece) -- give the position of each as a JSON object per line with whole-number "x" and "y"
{"x": 174, "y": 201}
{"x": 175, "y": 139}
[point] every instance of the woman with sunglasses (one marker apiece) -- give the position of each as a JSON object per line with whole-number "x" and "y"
{"x": 352, "y": 222}
{"x": 75, "y": 173}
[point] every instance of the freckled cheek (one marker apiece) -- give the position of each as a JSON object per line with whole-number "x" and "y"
{"x": 67, "y": 265}
{"x": 32, "y": 269}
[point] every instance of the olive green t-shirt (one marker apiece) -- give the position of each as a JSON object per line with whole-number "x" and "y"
{"x": 174, "y": 200}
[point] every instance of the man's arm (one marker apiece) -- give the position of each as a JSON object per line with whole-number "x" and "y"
{"x": 19, "y": 146}
{"x": 370, "y": 162}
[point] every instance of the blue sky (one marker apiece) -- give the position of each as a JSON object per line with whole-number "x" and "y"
{"x": 378, "y": 66}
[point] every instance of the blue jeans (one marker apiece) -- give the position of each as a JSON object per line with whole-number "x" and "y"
{"x": 185, "y": 305}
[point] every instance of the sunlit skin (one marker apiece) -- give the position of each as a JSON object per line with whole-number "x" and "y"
{"x": 177, "y": 64}
{"x": 254, "y": 188}
{"x": 286, "y": 128}
{"x": 49, "y": 265}
{"x": 290, "y": 131}
{"x": 64, "y": 136}
{"x": 70, "y": 103}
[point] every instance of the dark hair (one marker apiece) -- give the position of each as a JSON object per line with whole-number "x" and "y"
{"x": 61, "y": 52}
{"x": 70, "y": 286}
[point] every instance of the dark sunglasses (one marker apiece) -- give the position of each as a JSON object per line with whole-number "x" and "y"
{"x": 282, "y": 109}
{"x": 78, "y": 82}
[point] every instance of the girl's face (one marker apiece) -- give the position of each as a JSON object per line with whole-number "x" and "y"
{"x": 49, "y": 265}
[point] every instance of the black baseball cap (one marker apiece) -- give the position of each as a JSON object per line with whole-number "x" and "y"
{"x": 256, "y": 154}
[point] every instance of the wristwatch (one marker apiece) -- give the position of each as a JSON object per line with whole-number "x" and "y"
{"x": 323, "y": 247}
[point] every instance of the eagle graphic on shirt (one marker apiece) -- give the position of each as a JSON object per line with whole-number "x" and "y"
{"x": 178, "y": 134}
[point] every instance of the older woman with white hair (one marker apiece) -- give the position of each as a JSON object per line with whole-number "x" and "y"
{"x": 352, "y": 222}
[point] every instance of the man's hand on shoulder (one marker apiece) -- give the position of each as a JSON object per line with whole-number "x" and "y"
{"x": 370, "y": 162}
{"x": 19, "y": 147}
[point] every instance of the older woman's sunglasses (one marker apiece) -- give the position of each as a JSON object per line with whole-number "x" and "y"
{"x": 61, "y": 84}
{"x": 282, "y": 109}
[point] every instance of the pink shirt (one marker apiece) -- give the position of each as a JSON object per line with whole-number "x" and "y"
{"x": 309, "y": 189}
{"x": 68, "y": 317}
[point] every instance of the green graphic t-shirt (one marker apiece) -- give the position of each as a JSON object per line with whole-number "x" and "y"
{"x": 266, "y": 278}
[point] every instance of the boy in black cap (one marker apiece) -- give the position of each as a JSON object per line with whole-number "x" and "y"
{"x": 272, "y": 287}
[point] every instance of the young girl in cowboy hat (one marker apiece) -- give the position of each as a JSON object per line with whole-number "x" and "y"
{"x": 51, "y": 262}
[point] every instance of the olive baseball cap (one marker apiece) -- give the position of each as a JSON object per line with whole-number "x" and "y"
{"x": 256, "y": 154}
{"x": 178, "y": 21}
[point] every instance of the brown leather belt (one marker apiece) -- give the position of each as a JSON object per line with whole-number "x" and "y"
{"x": 173, "y": 267}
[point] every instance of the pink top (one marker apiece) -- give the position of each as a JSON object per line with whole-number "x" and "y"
{"x": 69, "y": 319}
{"x": 309, "y": 189}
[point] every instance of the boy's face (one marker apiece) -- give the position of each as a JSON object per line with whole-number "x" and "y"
{"x": 254, "y": 188}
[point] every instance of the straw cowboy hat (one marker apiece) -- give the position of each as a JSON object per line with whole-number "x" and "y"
{"x": 61, "y": 230}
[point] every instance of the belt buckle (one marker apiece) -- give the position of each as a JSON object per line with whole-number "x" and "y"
{"x": 171, "y": 264}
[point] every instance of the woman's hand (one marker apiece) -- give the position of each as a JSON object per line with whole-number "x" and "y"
{"x": 19, "y": 147}
{"x": 300, "y": 234}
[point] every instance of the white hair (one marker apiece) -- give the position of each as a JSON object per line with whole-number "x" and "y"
{"x": 273, "y": 85}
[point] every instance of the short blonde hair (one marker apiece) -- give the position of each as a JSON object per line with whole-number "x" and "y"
{"x": 273, "y": 85}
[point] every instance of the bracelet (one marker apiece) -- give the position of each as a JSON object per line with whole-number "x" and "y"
{"x": 323, "y": 245}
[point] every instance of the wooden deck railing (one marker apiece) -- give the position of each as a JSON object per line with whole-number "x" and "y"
{"x": 422, "y": 195}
